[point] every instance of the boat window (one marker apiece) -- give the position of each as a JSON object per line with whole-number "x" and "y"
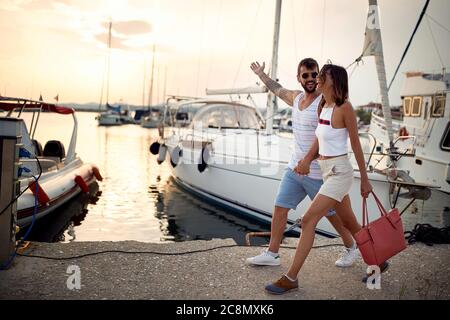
{"x": 226, "y": 116}
{"x": 229, "y": 119}
{"x": 407, "y": 106}
{"x": 247, "y": 118}
{"x": 438, "y": 106}
{"x": 213, "y": 119}
{"x": 445, "y": 142}
{"x": 416, "y": 107}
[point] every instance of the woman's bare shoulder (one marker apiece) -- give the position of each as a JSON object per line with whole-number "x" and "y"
{"x": 347, "y": 106}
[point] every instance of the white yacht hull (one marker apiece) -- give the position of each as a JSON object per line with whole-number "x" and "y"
{"x": 243, "y": 188}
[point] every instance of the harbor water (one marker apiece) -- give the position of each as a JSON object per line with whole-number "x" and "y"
{"x": 138, "y": 199}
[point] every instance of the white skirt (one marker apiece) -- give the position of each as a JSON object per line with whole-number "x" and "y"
{"x": 337, "y": 176}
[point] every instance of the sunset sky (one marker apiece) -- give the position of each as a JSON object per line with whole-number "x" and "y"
{"x": 59, "y": 47}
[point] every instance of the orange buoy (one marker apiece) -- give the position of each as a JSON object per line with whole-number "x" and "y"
{"x": 80, "y": 182}
{"x": 97, "y": 174}
{"x": 42, "y": 196}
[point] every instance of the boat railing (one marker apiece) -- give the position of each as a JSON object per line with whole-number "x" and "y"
{"x": 361, "y": 134}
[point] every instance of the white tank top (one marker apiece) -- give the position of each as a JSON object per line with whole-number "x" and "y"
{"x": 304, "y": 123}
{"x": 332, "y": 142}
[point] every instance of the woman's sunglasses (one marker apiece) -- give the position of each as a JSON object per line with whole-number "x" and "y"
{"x": 307, "y": 74}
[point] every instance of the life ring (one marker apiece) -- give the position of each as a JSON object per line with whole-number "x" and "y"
{"x": 175, "y": 156}
{"x": 402, "y": 132}
{"x": 154, "y": 148}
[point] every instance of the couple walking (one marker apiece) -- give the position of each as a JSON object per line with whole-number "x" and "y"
{"x": 322, "y": 119}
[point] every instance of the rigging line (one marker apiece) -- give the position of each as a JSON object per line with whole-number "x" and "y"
{"x": 246, "y": 45}
{"x": 294, "y": 27}
{"x": 409, "y": 42}
{"x": 353, "y": 70}
{"x": 437, "y": 22}
{"x": 434, "y": 42}
{"x": 323, "y": 28}
{"x": 218, "y": 21}
{"x": 201, "y": 46}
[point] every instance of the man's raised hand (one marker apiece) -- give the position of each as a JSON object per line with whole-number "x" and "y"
{"x": 257, "y": 68}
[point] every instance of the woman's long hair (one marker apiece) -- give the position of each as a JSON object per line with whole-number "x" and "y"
{"x": 340, "y": 83}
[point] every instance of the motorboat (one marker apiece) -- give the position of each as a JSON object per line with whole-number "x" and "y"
{"x": 49, "y": 176}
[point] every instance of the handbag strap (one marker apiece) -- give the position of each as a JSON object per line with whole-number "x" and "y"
{"x": 380, "y": 206}
{"x": 366, "y": 212}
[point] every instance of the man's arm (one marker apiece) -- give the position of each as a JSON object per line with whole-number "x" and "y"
{"x": 286, "y": 95}
{"x": 304, "y": 164}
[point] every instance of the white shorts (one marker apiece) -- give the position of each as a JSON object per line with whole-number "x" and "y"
{"x": 337, "y": 176}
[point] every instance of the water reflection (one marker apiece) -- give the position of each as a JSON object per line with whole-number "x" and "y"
{"x": 139, "y": 200}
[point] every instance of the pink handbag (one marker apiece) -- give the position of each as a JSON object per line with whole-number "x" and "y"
{"x": 382, "y": 238}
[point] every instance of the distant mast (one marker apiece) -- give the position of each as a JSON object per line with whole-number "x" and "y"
{"x": 373, "y": 46}
{"x": 108, "y": 57}
{"x": 150, "y": 94}
{"x": 272, "y": 99}
{"x": 109, "y": 62}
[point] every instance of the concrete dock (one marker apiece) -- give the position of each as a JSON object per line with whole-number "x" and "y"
{"x": 419, "y": 272}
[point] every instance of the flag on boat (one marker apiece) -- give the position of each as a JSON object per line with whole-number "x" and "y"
{"x": 372, "y": 41}
{"x": 57, "y": 97}
{"x": 40, "y": 97}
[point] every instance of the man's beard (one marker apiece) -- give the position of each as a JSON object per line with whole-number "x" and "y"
{"x": 309, "y": 90}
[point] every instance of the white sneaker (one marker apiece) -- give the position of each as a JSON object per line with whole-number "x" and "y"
{"x": 347, "y": 258}
{"x": 264, "y": 259}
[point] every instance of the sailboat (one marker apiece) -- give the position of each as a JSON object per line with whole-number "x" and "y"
{"x": 231, "y": 156}
{"x": 415, "y": 150}
{"x": 110, "y": 115}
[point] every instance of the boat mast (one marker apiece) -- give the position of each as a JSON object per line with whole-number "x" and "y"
{"x": 150, "y": 94}
{"x": 109, "y": 62}
{"x": 373, "y": 46}
{"x": 272, "y": 99}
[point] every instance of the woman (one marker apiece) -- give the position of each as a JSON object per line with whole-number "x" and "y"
{"x": 337, "y": 123}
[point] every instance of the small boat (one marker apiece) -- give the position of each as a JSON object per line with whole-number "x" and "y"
{"x": 61, "y": 176}
{"x": 109, "y": 119}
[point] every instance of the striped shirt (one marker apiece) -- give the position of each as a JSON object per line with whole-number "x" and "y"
{"x": 304, "y": 124}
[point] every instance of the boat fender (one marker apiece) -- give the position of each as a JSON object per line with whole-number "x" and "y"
{"x": 154, "y": 148}
{"x": 42, "y": 196}
{"x": 96, "y": 172}
{"x": 177, "y": 153}
{"x": 204, "y": 158}
{"x": 162, "y": 153}
{"x": 80, "y": 182}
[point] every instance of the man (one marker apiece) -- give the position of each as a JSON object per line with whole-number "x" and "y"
{"x": 295, "y": 186}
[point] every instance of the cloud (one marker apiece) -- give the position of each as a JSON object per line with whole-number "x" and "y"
{"x": 131, "y": 27}
{"x": 116, "y": 42}
{"x": 31, "y": 5}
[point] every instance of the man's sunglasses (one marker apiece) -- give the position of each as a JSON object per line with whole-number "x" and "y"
{"x": 307, "y": 74}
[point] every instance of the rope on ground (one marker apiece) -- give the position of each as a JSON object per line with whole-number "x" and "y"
{"x": 428, "y": 234}
{"x": 159, "y": 253}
